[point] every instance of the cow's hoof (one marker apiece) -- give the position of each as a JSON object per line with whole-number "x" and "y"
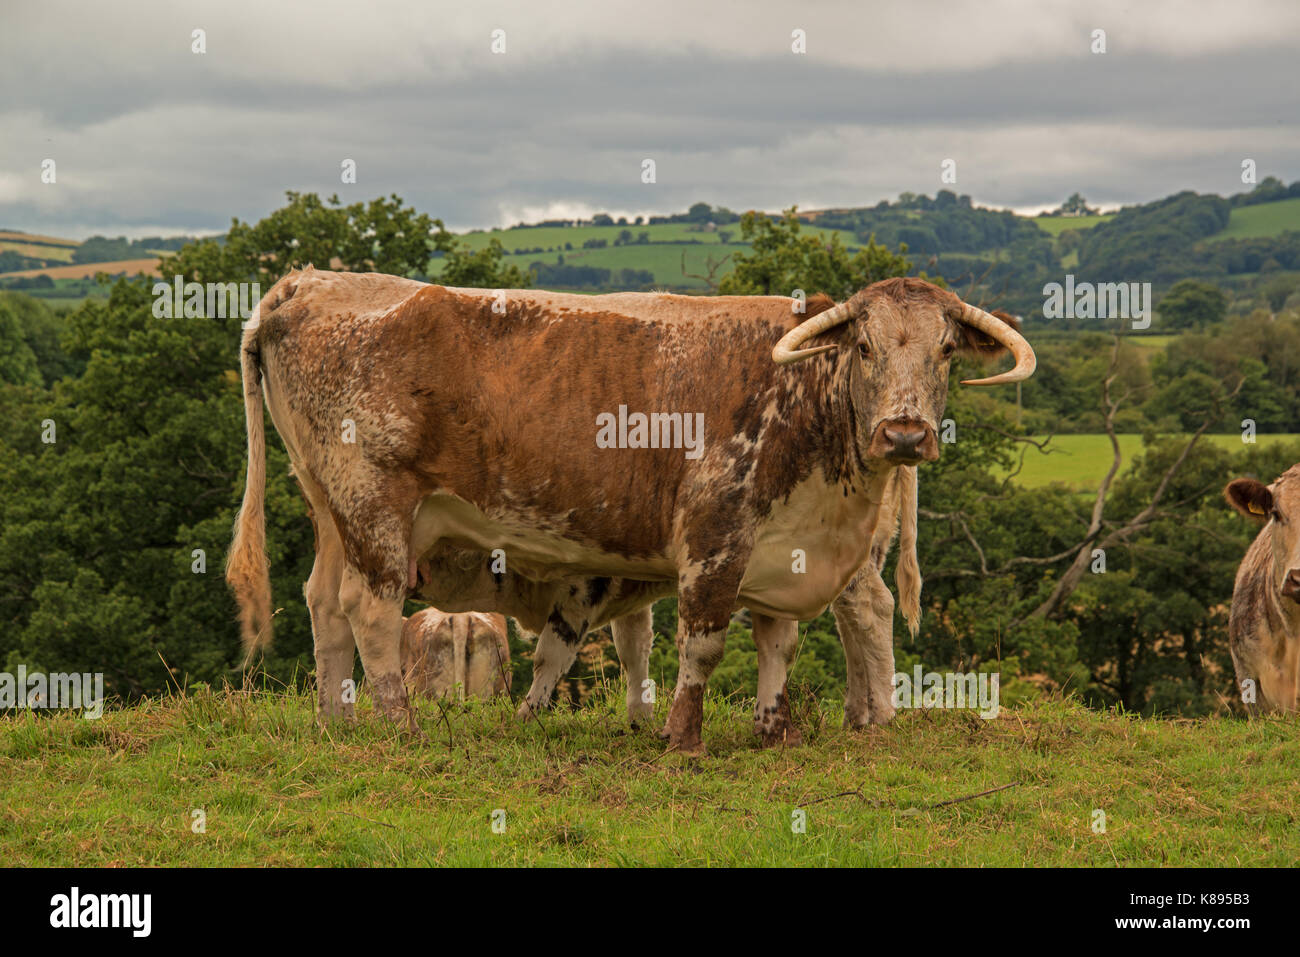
{"x": 882, "y": 716}
{"x": 527, "y": 711}
{"x": 690, "y": 745}
{"x": 325, "y": 718}
{"x": 780, "y": 736}
{"x": 686, "y": 721}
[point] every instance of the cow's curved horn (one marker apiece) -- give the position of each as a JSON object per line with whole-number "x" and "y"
{"x": 998, "y": 330}
{"x": 787, "y": 350}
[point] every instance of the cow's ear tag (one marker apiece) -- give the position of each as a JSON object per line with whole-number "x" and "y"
{"x": 1255, "y": 509}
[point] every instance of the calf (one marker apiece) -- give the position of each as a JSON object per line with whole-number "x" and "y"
{"x": 464, "y": 654}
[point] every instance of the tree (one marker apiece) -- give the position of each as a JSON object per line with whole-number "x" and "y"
{"x": 383, "y": 235}
{"x": 18, "y": 363}
{"x": 699, "y": 213}
{"x": 784, "y": 259}
{"x": 1192, "y": 304}
{"x": 1076, "y": 205}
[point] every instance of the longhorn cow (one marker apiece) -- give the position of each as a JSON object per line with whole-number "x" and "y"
{"x": 425, "y": 478}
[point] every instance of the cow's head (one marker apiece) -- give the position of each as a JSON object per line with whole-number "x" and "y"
{"x": 1277, "y": 507}
{"x": 903, "y": 334}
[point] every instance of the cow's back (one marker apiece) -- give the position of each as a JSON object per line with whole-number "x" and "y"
{"x": 465, "y": 654}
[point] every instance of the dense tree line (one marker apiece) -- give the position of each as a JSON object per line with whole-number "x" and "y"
{"x": 567, "y": 276}
{"x": 99, "y": 249}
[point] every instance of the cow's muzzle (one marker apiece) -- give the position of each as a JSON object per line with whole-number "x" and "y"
{"x": 1291, "y": 585}
{"x": 905, "y": 441}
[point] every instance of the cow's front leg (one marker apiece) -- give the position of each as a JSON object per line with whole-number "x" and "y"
{"x": 704, "y": 605}
{"x": 776, "y": 640}
{"x": 633, "y": 638}
{"x": 864, "y": 612}
{"x": 553, "y": 656}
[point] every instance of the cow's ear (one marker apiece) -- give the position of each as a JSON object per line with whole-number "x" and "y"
{"x": 973, "y": 342}
{"x": 1250, "y": 498}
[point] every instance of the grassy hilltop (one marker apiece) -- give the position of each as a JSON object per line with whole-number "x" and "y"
{"x": 583, "y": 789}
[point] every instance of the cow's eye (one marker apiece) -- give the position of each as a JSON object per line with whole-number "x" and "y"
{"x": 948, "y": 349}
{"x": 864, "y": 350}
{"x": 1276, "y": 516}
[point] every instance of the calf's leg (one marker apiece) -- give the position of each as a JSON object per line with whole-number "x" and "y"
{"x": 633, "y": 638}
{"x": 553, "y": 656}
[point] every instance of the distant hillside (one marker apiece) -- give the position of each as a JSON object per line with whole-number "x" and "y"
{"x": 1242, "y": 243}
{"x": 127, "y": 267}
{"x": 26, "y": 254}
{"x": 1266, "y": 219}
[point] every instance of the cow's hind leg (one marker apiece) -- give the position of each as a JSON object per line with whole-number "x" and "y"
{"x": 553, "y": 656}
{"x": 331, "y": 631}
{"x": 374, "y": 609}
{"x": 776, "y": 640}
{"x": 633, "y": 638}
{"x": 864, "y": 613}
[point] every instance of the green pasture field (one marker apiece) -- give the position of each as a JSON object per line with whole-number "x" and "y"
{"x": 1155, "y": 343}
{"x": 662, "y": 256}
{"x": 1081, "y": 461}
{"x": 1059, "y": 224}
{"x": 557, "y": 236}
{"x": 1265, "y": 219}
{"x": 581, "y": 788}
{"x": 665, "y": 261}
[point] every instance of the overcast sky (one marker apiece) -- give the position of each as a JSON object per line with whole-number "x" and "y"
{"x": 150, "y": 137}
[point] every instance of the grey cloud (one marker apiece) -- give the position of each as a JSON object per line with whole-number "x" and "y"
{"x": 172, "y": 142}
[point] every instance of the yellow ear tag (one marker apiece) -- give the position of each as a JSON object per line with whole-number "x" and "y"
{"x": 1255, "y": 509}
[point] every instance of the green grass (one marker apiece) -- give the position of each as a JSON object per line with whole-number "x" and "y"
{"x": 62, "y": 254}
{"x": 582, "y": 789}
{"x": 1080, "y": 461}
{"x": 1059, "y": 224}
{"x": 665, "y": 261}
{"x": 1150, "y": 342}
{"x": 557, "y": 236}
{"x": 662, "y": 256}
{"x": 1265, "y": 219}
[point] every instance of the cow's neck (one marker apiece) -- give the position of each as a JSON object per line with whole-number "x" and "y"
{"x": 818, "y": 432}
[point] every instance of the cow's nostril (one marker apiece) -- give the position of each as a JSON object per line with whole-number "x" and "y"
{"x": 904, "y": 441}
{"x": 1291, "y": 584}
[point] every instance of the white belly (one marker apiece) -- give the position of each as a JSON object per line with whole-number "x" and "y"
{"x": 533, "y": 553}
{"x": 805, "y": 552}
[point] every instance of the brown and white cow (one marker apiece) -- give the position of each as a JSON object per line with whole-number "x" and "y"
{"x": 466, "y": 654}
{"x": 1264, "y": 625}
{"x": 430, "y": 475}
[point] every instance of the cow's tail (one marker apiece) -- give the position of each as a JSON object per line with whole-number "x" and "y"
{"x": 247, "y": 569}
{"x": 907, "y": 576}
